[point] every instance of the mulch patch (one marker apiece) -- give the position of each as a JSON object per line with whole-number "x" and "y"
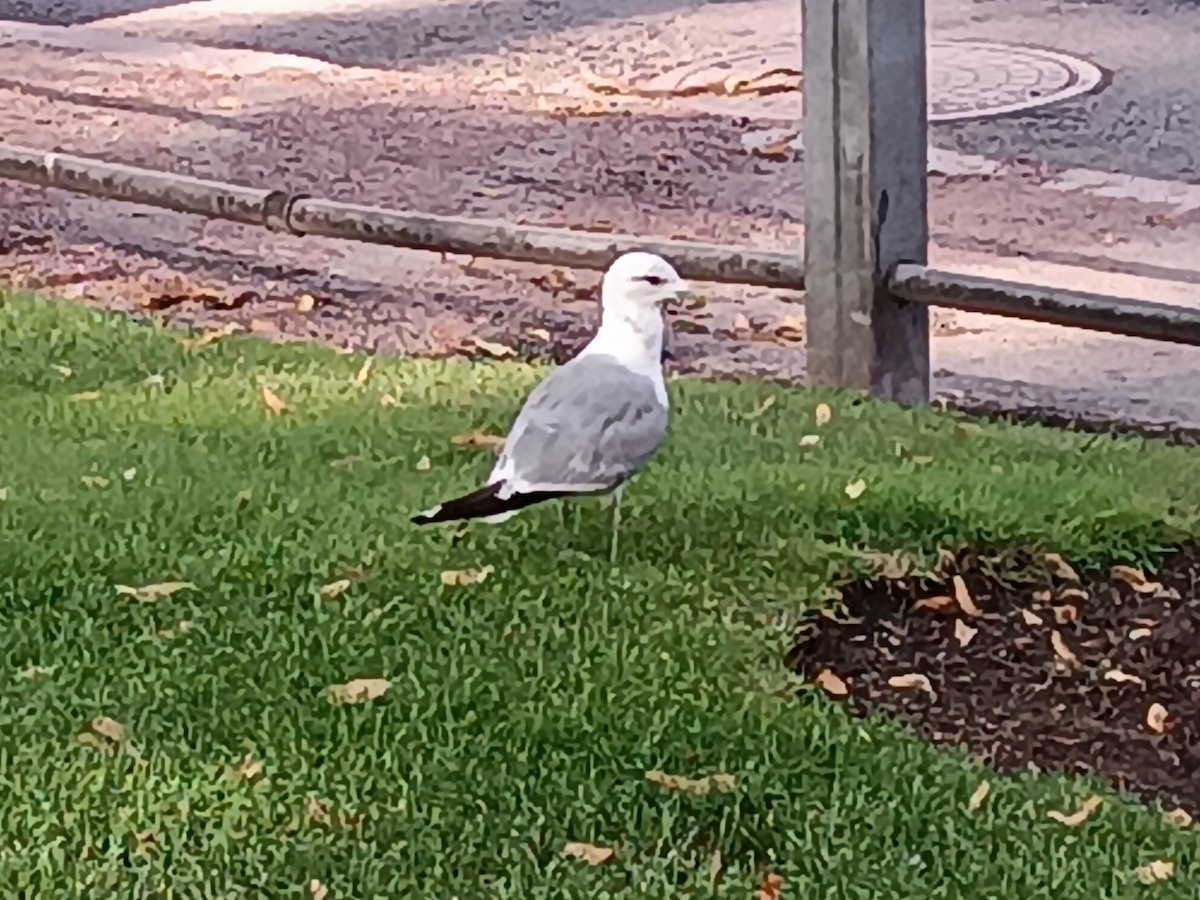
{"x": 1011, "y": 696}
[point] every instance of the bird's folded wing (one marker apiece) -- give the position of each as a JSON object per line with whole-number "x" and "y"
{"x": 588, "y": 427}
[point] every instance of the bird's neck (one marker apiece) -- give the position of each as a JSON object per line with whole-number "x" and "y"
{"x": 633, "y": 336}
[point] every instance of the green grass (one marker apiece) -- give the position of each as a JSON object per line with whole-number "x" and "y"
{"x": 524, "y": 711}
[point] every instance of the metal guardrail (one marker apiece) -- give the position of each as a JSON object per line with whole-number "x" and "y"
{"x": 301, "y": 214}
{"x": 867, "y": 288}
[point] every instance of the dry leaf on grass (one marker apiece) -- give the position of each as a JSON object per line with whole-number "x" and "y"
{"x": 1031, "y": 618}
{"x": 1159, "y": 870}
{"x": 388, "y": 400}
{"x": 96, "y": 481}
{"x": 1156, "y": 718}
{"x": 1180, "y": 818}
{"x": 1135, "y": 578}
{"x": 211, "y": 337}
{"x": 964, "y": 633}
{"x": 363, "y": 375}
{"x": 360, "y": 690}
{"x": 978, "y": 796}
{"x": 316, "y": 890}
{"x": 1089, "y": 806}
{"x": 962, "y": 596}
{"x": 823, "y": 414}
{"x": 910, "y": 681}
{"x": 761, "y": 408}
{"x": 719, "y": 783}
{"x": 1060, "y": 567}
{"x": 250, "y": 769}
{"x": 1061, "y": 650}
{"x": 490, "y": 347}
{"x": 86, "y": 396}
{"x": 810, "y": 440}
{"x": 104, "y": 733}
{"x": 855, "y": 489}
{"x": 272, "y": 401}
{"x": 466, "y": 577}
{"x": 831, "y": 684}
{"x": 589, "y": 853}
{"x": 148, "y": 593}
{"x": 424, "y": 464}
{"x": 335, "y": 588}
{"x": 770, "y": 888}
{"x": 479, "y": 439}
{"x": 64, "y": 371}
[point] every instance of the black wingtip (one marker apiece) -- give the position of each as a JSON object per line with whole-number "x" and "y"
{"x": 481, "y": 504}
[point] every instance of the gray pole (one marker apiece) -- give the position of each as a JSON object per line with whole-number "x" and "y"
{"x": 865, "y": 193}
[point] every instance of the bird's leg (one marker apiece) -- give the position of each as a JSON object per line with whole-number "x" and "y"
{"x": 616, "y": 525}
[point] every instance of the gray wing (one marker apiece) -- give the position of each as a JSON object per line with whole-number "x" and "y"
{"x": 589, "y": 426}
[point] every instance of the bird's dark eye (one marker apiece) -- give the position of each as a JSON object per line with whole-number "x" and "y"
{"x": 652, "y": 279}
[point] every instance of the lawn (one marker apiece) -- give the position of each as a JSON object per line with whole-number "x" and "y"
{"x": 522, "y": 712}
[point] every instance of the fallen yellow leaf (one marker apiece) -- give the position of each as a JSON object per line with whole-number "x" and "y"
{"x": 423, "y": 464}
{"x": 1061, "y": 650}
{"x": 823, "y": 414}
{"x": 940, "y": 603}
{"x": 364, "y": 373}
{"x": 148, "y": 593}
{"x": 1156, "y": 718}
{"x": 211, "y": 337}
{"x": 109, "y": 729}
{"x": 273, "y": 402}
{"x": 856, "y": 489}
{"x": 335, "y": 588}
{"x": 1089, "y": 806}
{"x": 964, "y": 633}
{"x": 478, "y": 439}
{"x": 910, "y": 681}
{"x": 64, "y": 371}
{"x": 761, "y": 408}
{"x": 831, "y": 683}
{"x": 96, "y": 481}
{"x": 719, "y": 783}
{"x": 1060, "y": 567}
{"x": 387, "y": 400}
{"x": 360, "y": 690}
{"x": 1180, "y": 818}
{"x": 978, "y": 796}
{"x": 86, "y": 395}
{"x": 589, "y": 853}
{"x": 810, "y": 440}
{"x": 129, "y": 474}
{"x": 1120, "y": 677}
{"x": 1159, "y": 870}
{"x": 1031, "y": 618}
{"x": 490, "y": 348}
{"x": 250, "y": 769}
{"x": 466, "y": 577}
{"x": 962, "y": 596}
{"x": 1135, "y": 578}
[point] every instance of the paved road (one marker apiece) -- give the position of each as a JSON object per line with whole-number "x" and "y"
{"x": 1145, "y": 122}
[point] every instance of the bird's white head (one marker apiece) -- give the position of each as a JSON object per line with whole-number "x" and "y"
{"x": 639, "y": 283}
